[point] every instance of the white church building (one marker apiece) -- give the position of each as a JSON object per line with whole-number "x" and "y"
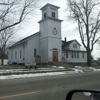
{"x": 47, "y": 42}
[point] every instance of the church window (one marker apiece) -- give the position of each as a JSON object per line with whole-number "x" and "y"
{"x": 53, "y": 14}
{"x": 11, "y": 55}
{"x": 20, "y": 53}
{"x": 44, "y": 15}
{"x": 35, "y": 52}
{"x": 15, "y": 54}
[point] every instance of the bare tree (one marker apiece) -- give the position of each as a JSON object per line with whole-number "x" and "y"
{"x": 87, "y": 15}
{"x": 12, "y": 13}
{"x": 5, "y": 37}
{"x": 15, "y": 11}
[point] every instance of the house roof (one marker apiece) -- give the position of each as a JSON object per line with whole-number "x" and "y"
{"x": 67, "y": 43}
{"x": 24, "y": 39}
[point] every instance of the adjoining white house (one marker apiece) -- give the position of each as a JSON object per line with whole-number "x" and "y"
{"x": 47, "y": 42}
{"x": 72, "y": 53}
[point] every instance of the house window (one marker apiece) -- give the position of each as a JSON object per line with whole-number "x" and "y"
{"x": 74, "y": 45}
{"x": 20, "y": 53}
{"x": 66, "y": 54}
{"x": 15, "y": 54}
{"x": 77, "y": 54}
{"x": 35, "y": 52}
{"x": 44, "y": 15}
{"x": 72, "y": 54}
{"x": 53, "y": 14}
{"x": 83, "y": 55}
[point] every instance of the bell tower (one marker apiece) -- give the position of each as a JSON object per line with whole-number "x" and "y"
{"x": 50, "y": 34}
{"x": 50, "y": 11}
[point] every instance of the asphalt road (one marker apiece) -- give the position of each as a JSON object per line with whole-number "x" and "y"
{"x": 47, "y": 87}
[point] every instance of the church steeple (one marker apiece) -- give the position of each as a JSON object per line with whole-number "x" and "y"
{"x": 50, "y": 34}
{"x": 49, "y": 10}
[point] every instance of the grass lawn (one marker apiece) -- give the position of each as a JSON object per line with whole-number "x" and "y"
{"x": 22, "y": 66}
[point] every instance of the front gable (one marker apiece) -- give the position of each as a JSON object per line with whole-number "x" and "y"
{"x": 74, "y": 45}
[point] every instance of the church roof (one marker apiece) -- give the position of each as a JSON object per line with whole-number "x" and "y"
{"x": 24, "y": 39}
{"x": 48, "y": 4}
{"x": 50, "y": 18}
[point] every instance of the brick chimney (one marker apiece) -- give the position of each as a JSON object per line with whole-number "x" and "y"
{"x": 65, "y": 39}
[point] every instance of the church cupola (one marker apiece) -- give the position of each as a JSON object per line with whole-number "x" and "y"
{"x": 49, "y": 10}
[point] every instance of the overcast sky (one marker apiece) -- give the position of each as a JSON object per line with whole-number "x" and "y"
{"x": 31, "y": 26}
{"x": 69, "y": 28}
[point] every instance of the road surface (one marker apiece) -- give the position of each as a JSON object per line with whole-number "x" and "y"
{"x": 47, "y": 87}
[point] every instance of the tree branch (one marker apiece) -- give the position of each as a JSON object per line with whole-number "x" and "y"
{"x": 96, "y": 40}
{"x": 26, "y": 7}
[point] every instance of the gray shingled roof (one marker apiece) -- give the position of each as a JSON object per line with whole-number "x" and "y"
{"x": 24, "y": 40}
{"x": 67, "y": 43}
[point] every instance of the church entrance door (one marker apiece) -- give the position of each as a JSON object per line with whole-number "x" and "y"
{"x": 55, "y": 55}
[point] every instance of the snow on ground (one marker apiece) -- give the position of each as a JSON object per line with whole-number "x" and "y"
{"x": 54, "y": 66}
{"x": 30, "y": 75}
{"x": 61, "y": 67}
{"x": 94, "y": 69}
{"x": 11, "y": 70}
{"x": 79, "y": 68}
{"x": 76, "y": 69}
{"x": 35, "y": 75}
{"x": 31, "y": 70}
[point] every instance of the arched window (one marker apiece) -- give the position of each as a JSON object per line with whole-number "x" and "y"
{"x": 35, "y": 52}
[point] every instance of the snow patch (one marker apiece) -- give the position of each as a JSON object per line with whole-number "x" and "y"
{"x": 77, "y": 70}
{"x": 61, "y": 67}
{"x": 54, "y": 66}
{"x": 30, "y": 75}
{"x": 78, "y": 67}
